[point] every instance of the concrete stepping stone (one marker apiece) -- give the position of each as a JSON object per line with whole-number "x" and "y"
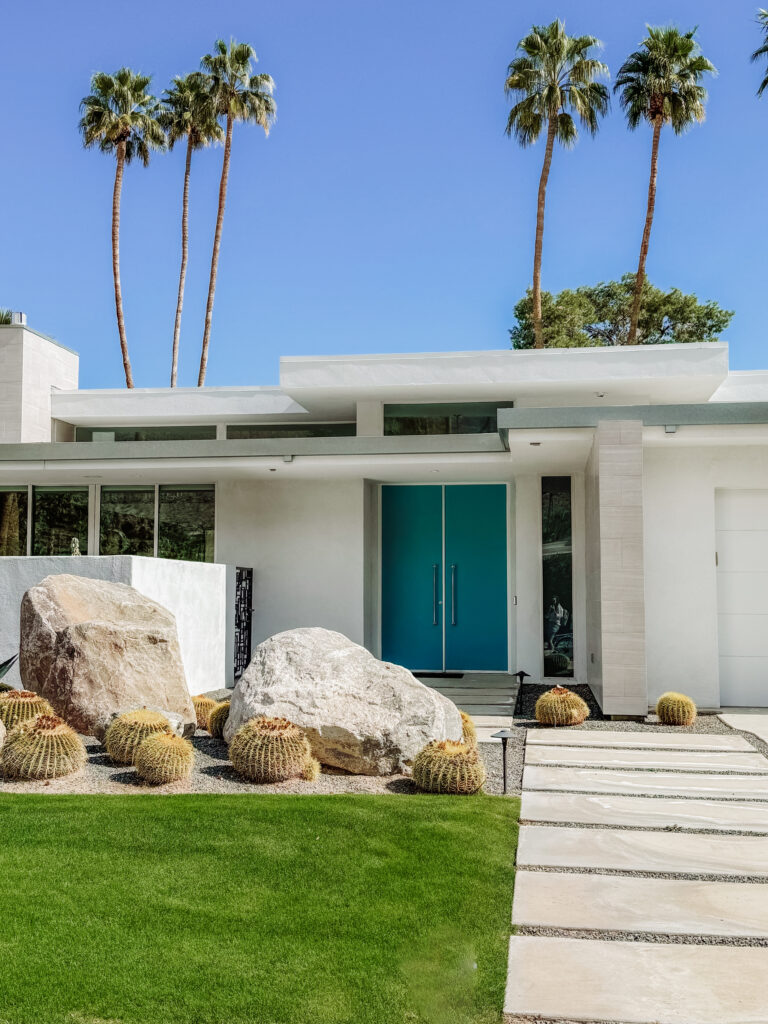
{"x": 609, "y": 780}
{"x": 635, "y": 982}
{"x": 663, "y": 852}
{"x": 645, "y": 812}
{"x": 617, "y": 903}
{"x": 756, "y": 724}
{"x": 649, "y": 738}
{"x": 692, "y": 760}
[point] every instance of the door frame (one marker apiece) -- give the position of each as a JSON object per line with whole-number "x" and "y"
{"x": 510, "y": 568}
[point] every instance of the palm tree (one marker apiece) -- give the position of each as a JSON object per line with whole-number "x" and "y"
{"x": 238, "y": 95}
{"x": 661, "y": 83}
{"x": 554, "y": 73}
{"x": 188, "y": 114}
{"x": 762, "y": 51}
{"x": 121, "y": 118}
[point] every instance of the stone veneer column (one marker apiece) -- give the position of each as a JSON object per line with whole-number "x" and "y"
{"x": 615, "y": 575}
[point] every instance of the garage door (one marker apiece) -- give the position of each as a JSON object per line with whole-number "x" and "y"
{"x": 741, "y": 519}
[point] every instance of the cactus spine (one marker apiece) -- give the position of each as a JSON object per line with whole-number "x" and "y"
{"x": 676, "y": 709}
{"x": 19, "y": 706}
{"x": 203, "y": 707}
{"x": 128, "y": 730}
{"x": 448, "y": 767}
{"x": 164, "y": 758}
{"x": 43, "y": 748}
{"x": 272, "y": 750}
{"x": 560, "y": 706}
{"x": 468, "y": 731}
{"x": 218, "y": 719}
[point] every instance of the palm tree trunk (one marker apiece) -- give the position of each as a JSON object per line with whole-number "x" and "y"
{"x": 215, "y": 255}
{"x": 640, "y": 279}
{"x": 537, "y": 328}
{"x": 183, "y": 270}
{"x": 116, "y": 262}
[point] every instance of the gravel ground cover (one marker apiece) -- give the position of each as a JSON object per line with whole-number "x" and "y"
{"x": 214, "y": 774}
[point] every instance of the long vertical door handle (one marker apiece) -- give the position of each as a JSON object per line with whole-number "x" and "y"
{"x": 434, "y": 593}
{"x": 453, "y": 595}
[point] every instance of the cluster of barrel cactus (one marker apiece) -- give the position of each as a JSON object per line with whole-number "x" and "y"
{"x": 272, "y": 750}
{"x": 203, "y": 708}
{"x": 449, "y": 767}
{"x": 42, "y": 748}
{"x": 561, "y": 706}
{"x": 217, "y": 719}
{"x": 129, "y": 730}
{"x": 676, "y": 709}
{"x": 468, "y": 731}
{"x": 164, "y": 757}
{"x": 17, "y": 706}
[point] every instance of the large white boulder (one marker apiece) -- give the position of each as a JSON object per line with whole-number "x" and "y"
{"x": 94, "y": 648}
{"x": 360, "y": 714}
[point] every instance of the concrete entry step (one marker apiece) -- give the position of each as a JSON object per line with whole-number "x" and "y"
{"x": 695, "y": 785}
{"x": 635, "y": 982}
{"x": 649, "y": 738}
{"x": 691, "y": 760}
{"x": 624, "y": 904}
{"x": 662, "y": 852}
{"x": 644, "y": 812}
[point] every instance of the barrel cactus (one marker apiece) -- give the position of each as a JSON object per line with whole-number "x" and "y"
{"x": 468, "y": 731}
{"x": 2, "y": 735}
{"x": 128, "y": 730}
{"x": 560, "y": 706}
{"x": 42, "y": 748}
{"x": 272, "y": 750}
{"x": 448, "y": 767}
{"x": 676, "y": 709}
{"x": 164, "y": 758}
{"x": 217, "y": 719}
{"x": 19, "y": 706}
{"x": 555, "y": 664}
{"x": 203, "y": 708}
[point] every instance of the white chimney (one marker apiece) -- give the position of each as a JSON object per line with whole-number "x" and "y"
{"x": 19, "y": 319}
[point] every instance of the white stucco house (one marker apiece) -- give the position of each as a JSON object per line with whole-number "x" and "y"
{"x": 593, "y": 515}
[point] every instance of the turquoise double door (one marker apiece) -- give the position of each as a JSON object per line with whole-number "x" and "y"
{"x": 444, "y": 577}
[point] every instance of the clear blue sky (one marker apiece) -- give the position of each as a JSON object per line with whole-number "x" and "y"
{"x": 387, "y": 211}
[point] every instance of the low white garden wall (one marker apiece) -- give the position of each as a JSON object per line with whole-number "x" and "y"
{"x": 196, "y": 593}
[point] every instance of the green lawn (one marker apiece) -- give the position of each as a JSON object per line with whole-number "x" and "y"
{"x": 254, "y": 909}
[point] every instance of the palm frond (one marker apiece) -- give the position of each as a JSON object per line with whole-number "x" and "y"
{"x": 555, "y": 74}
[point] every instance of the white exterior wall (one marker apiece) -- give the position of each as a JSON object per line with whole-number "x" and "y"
{"x": 194, "y": 592}
{"x": 30, "y": 366}
{"x": 680, "y": 571}
{"x": 305, "y": 541}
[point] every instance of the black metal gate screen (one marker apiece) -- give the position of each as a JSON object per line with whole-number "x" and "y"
{"x": 243, "y": 619}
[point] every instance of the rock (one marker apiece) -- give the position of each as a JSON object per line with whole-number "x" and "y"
{"x": 94, "y": 648}
{"x": 360, "y": 714}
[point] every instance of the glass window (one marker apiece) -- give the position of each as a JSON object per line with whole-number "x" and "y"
{"x": 60, "y": 521}
{"x": 557, "y": 575}
{"x": 13, "y": 520}
{"x": 442, "y": 418}
{"x": 246, "y": 431}
{"x": 127, "y": 524}
{"x": 186, "y": 522}
{"x": 203, "y": 433}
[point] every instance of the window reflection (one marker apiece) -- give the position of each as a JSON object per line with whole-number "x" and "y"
{"x": 557, "y": 575}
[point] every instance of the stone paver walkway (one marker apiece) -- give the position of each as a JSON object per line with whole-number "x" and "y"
{"x": 655, "y": 910}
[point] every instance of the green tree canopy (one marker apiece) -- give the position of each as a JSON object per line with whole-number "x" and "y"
{"x": 599, "y": 315}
